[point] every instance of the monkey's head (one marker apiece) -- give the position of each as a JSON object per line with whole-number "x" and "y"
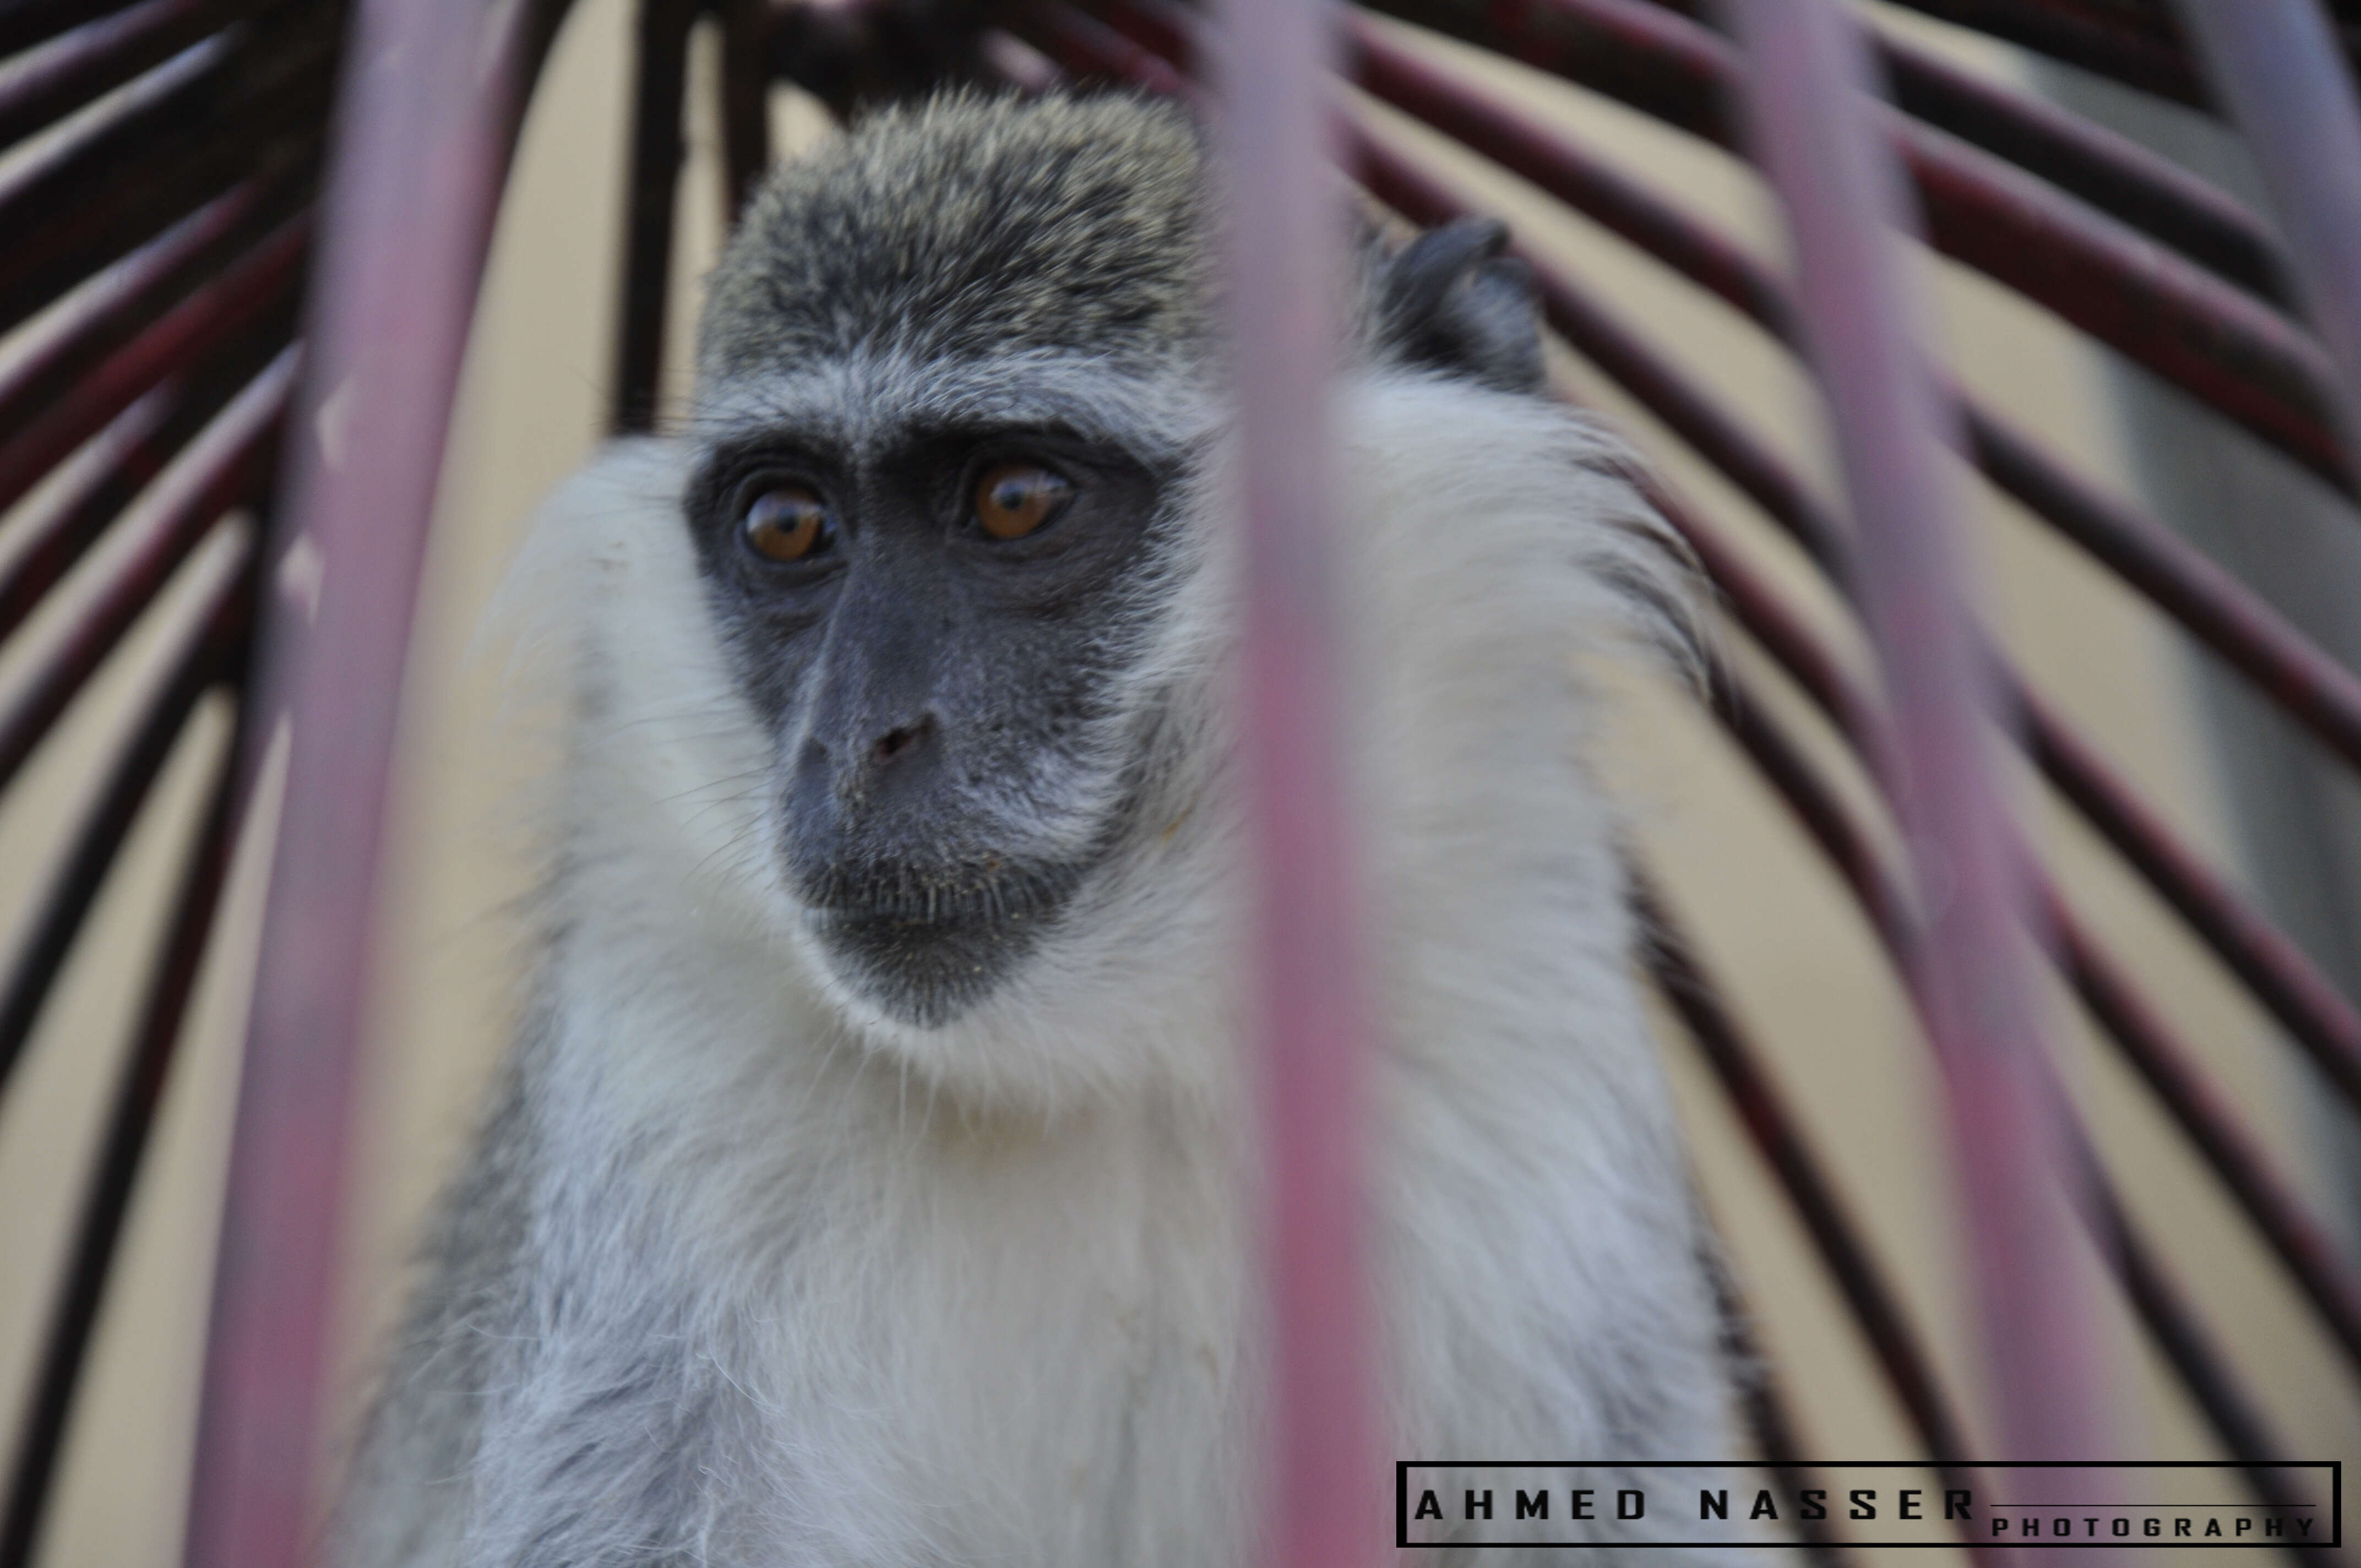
{"x": 957, "y": 391}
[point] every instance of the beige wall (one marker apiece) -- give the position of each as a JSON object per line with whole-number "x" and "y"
{"x": 1775, "y": 927}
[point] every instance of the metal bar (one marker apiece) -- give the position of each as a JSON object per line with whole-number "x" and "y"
{"x": 1815, "y": 140}
{"x": 110, "y": 472}
{"x": 2100, "y": 35}
{"x": 2162, "y": 1312}
{"x": 2137, "y": 1031}
{"x": 2111, "y": 171}
{"x": 74, "y": 339}
{"x": 2176, "y": 1330}
{"x": 2314, "y": 1014}
{"x": 104, "y": 824}
{"x": 1312, "y": 1029}
{"x": 745, "y": 101}
{"x": 227, "y": 465}
{"x": 26, "y": 22}
{"x": 215, "y": 314}
{"x": 73, "y": 1314}
{"x": 64, "y": 230}
{"x": 2306, "y": 684}
{"x": 2164, "y": 1063}
{"x": 74, "y": 68}
{"x": 1762, "y": 1111}
{"x": 432, "y": 94}
{"x": 2287, "y": 84}
{"x": 656, "y": 153}
{"x": 1767, "y": 1415}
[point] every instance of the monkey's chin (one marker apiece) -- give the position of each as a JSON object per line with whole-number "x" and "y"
{"x": 920, "y": 973}
{"x": 920, "y": 961}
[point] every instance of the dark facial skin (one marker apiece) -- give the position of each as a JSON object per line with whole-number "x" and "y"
{"x": 930, "y": 682}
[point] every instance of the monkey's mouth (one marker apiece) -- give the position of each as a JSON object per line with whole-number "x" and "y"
{"x": 925, "y": 944}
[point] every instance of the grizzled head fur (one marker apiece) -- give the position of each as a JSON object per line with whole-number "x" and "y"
{"x": 974, "y": 298}
{"x": 970, "y": 226}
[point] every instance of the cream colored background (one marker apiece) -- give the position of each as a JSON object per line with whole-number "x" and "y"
{"x": 1775, "y": 928}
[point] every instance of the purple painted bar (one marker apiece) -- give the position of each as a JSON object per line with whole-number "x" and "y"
{"x": 1283, "y": 221}
{"x": 431, "y": 90}
{"x": 1816, "y": 138}
{"x": 2277, "y": 65}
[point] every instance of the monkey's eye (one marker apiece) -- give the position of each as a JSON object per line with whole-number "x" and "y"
{"x": 787, "y": 523}
{"x": 1012, "y": 500}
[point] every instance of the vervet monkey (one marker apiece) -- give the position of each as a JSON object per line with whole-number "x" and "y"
{"x": 873, "y": 1180}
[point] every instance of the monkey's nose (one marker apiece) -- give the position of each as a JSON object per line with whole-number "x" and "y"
{"x": 897, "y": 741}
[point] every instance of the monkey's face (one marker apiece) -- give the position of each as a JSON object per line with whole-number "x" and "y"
{"x": 934, "y": 612}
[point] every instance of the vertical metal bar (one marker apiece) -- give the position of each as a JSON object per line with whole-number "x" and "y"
{"x": 2278, "y": 66}
{"x": 1816, "y": 139}
{"x": 431, "y": 92}
{"x": 1282, "y": 223}
{"x": 657, "y": 152}
{"x": 746, "y": 29}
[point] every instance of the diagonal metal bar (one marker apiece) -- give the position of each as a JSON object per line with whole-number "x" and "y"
{"x": 107, "y": 822}
{"x": 2104, "y": 37}
{"x": 222, "y": 468}
{"x": 217, "y": 314}
{"x": 2278, "y": 66}
{"x": 103, "y": 479}
{"x": 1737, "y": 1064}
{"x": 74, "y": 1316}
{"x": 104, "y": 53}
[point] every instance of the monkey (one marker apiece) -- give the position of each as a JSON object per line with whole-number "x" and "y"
{"x": 872, "y": 1180}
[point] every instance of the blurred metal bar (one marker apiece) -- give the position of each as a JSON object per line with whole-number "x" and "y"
{"x": 106, "y": 822}
{"x": 1818, "y": 143}
{"x": 27, "y": 23}
{"x": 256, "y": 101}
{"x": 225, "y": 467}
{"x": 2186, "y": 1345}
{"x": 1281, "y": 223}
{"x": 2134, "y": 44}
{"x": 75, "y": 68}
{"x": 746, "y": 27}
{"x": 1754, "y": 1095}
{"x": 2147, "y": 1041}
{"x": 432, "y": 94}
{"x": 217, "y": 652}
{"x": 2309, "y": 687}
{"x": 217, "y": 314}
{"x": 2278, "y": 66}
{"x": 2279, "y": 974}
{"x": 69, "y": 343}
{"x": 659, "y": 82}
{"x": 108, "y": 475}
{"x": 2113, "y": 173}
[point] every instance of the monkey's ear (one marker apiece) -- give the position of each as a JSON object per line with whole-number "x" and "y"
{"x": 1450, "y": 301}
